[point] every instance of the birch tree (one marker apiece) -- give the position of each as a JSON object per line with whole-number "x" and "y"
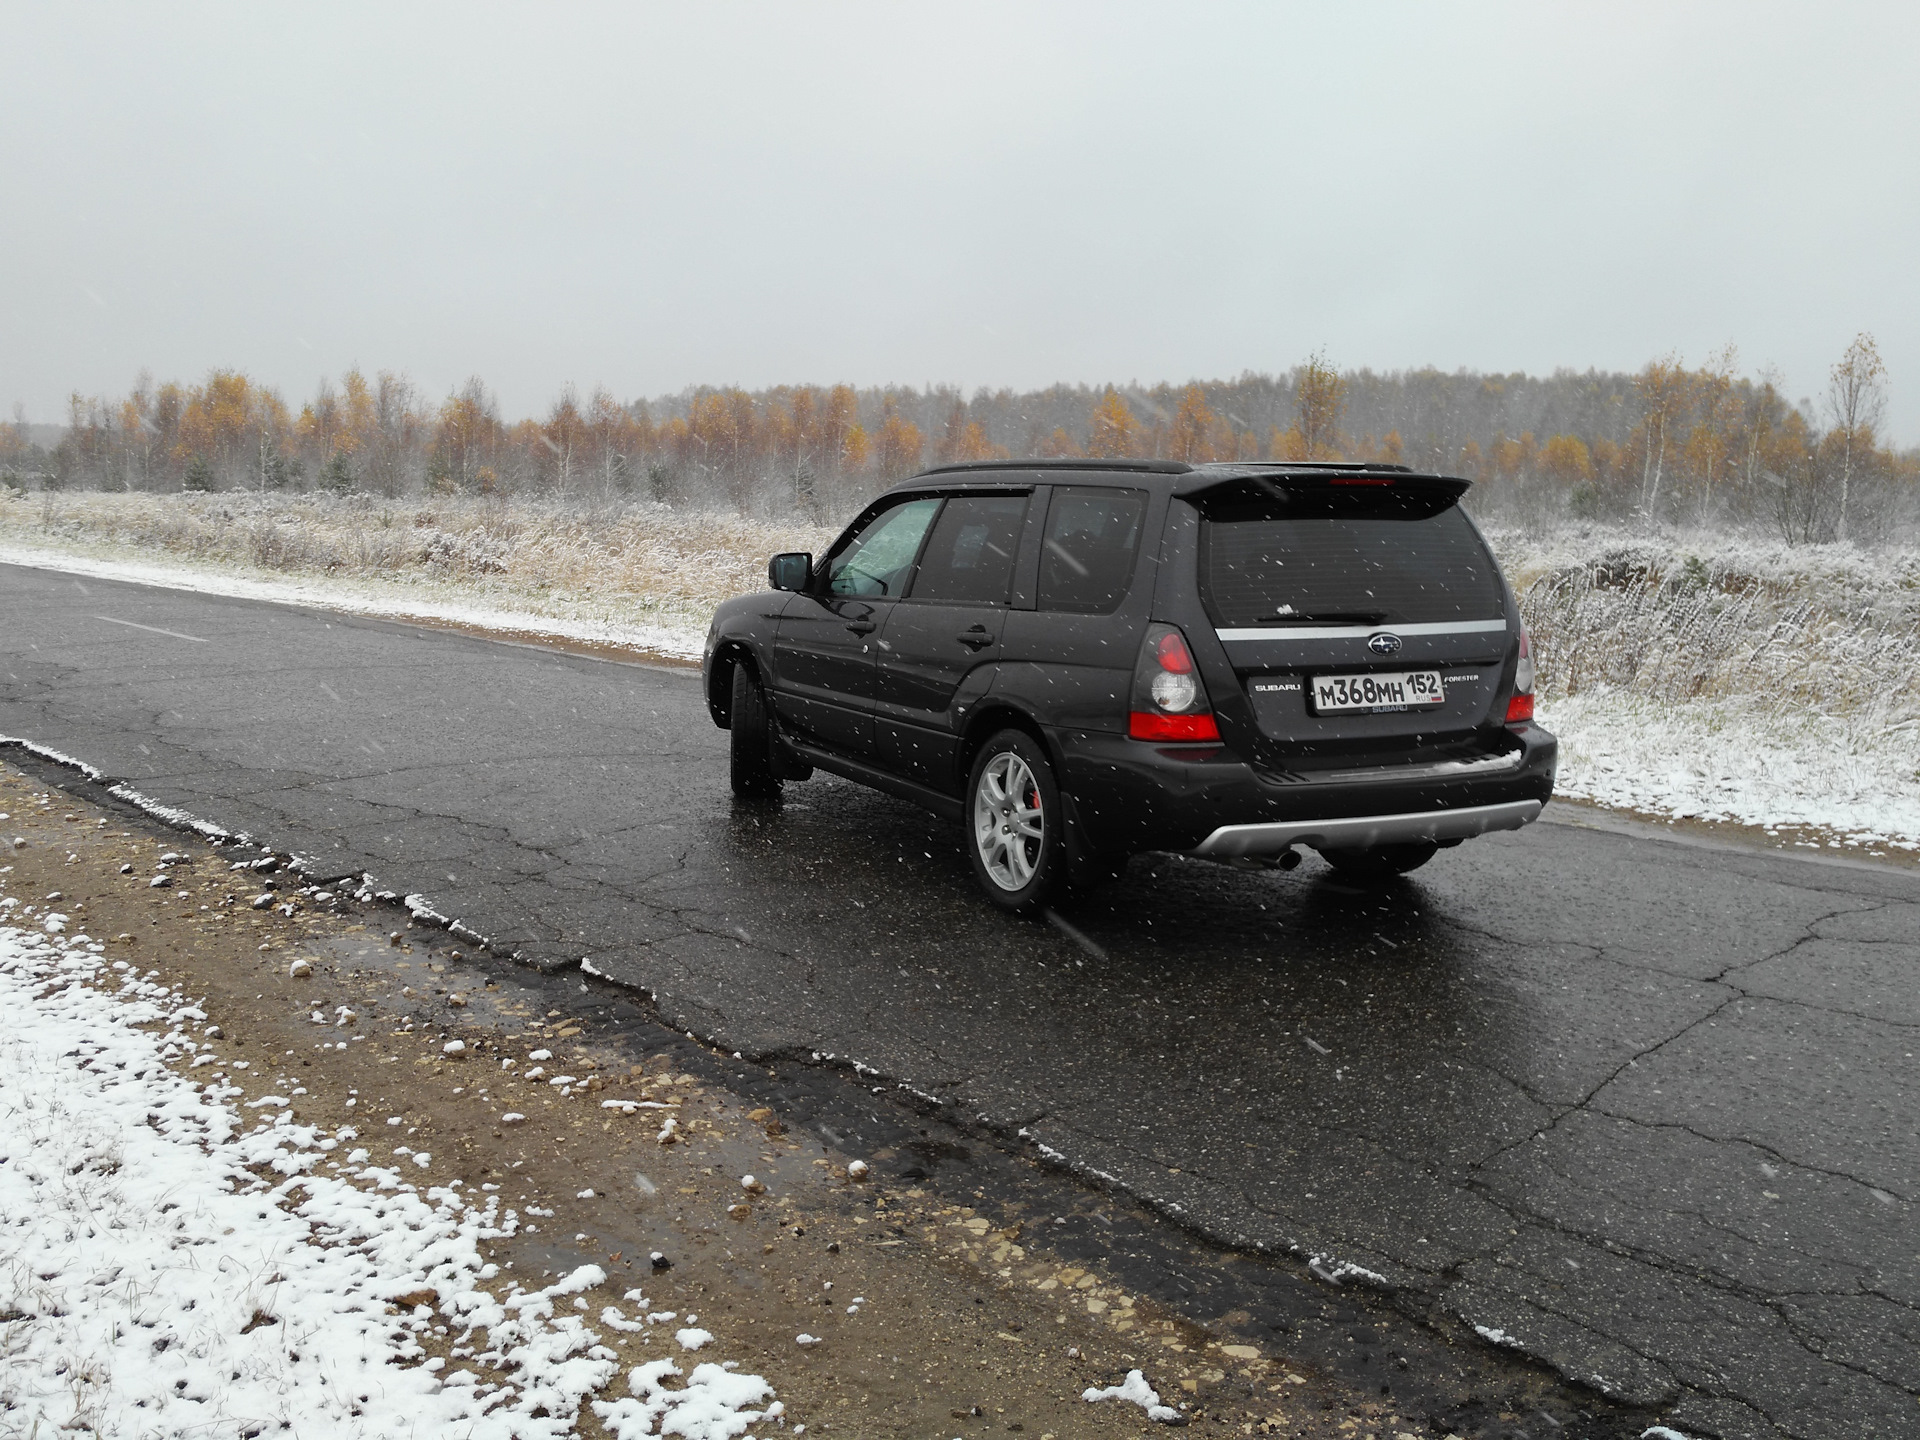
{"x": 1716, "y": 414}
{"x": 1321, "y": 397}
{"x": 1113, "y": 433}
{"x": 1663, "y": 392}
{"x": 1192, "y": 428}
{"x": 1856, "y": 399}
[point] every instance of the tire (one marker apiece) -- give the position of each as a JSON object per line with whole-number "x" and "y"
{"x": 751, "y": 738}
{"x": 1015, "y": 826}
{"x": 1382, "y": 862}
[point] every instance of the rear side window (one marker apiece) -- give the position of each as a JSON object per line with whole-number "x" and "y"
{"x": 1086, "y": 559}
{"x": 1388, "y": 567}
{"x": 969, "y": 559}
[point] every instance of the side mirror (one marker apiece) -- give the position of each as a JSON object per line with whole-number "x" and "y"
{"x": 790, "y": 571}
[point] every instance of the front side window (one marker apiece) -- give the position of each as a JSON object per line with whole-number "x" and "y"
{"x": 969, "y": 559}
{"x": 880, "y": 558}
{"x": 1087, "y": 557}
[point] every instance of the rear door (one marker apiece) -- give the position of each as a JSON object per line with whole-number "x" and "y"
{"x": 1068, "y": 651}
{"x": 946, "y": 632}
{"x": 824, "y": 650}
{"x": 1356, "y": 616}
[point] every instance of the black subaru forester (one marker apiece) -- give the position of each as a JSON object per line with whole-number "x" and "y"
{"x": 1081, "y": 660}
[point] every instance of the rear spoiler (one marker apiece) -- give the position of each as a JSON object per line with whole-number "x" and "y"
{"x": 1291, "y": 484}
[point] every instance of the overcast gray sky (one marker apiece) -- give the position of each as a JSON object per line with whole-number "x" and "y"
{"x": 981, "y": 194}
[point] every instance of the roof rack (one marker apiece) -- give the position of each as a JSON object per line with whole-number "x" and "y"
{"x": 1143, "y": 467}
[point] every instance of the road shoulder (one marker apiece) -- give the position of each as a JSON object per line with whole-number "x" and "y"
{"x": 926, "y": 1313}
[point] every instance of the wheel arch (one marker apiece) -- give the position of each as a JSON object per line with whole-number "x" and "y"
{"x": 726, "y": 656}
{"x": 991, "y": 717}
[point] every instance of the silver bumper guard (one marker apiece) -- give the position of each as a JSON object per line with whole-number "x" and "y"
{"x": 1362, "y": 832}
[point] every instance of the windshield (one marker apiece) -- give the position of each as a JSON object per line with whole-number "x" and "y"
{"x": 1374, "y": 567}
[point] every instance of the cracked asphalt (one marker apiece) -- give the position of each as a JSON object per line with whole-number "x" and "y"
{"x": 1643, "y": 1110}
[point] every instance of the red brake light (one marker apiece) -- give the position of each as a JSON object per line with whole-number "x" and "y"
{"x": 1146, "y": 725}
{"x": 1359, "y": 480}
{"x": 1520, "y": 707}
{"x": 1169, "y": 702}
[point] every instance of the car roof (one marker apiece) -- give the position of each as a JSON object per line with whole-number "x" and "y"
{"x": 1176, "y": 476}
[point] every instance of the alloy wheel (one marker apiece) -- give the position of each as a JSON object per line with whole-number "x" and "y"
{"x": 1008, "y": 826}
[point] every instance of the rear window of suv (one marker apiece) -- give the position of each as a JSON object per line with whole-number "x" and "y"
{"x": 1371, "y": 562}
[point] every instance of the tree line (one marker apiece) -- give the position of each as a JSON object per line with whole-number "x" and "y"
{"x": 1671, "y": 444}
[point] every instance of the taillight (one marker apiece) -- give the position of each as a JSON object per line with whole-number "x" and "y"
{"x": 1520, "y": 707}
{"x": 1169, "y": 698}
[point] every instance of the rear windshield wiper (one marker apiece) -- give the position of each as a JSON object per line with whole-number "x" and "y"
{"x": 1325, "y": 617}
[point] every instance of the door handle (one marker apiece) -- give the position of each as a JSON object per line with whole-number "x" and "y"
{"x": 977, "y": 637}
{"x": 863, "y": 627}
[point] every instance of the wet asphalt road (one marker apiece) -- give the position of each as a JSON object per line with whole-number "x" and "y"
{"x": 1646, "y": 1111}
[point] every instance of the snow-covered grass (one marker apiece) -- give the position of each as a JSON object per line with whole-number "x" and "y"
{"x": 167, "y": 1270}
{"x": 640, "y": 574}
{"x": 1721, "y": 679}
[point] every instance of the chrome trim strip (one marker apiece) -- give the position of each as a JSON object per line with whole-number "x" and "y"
{"x": 1480, "y": 765}
{"x": 1363, "y": 831}
{"x": 1360, "y": 632}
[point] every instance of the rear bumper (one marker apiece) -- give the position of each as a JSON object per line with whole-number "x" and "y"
{"x": 1360, "y": 832}
{"x": 1129, "y": 796}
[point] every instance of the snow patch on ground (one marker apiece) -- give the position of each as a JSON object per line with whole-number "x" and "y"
{"x": 1721, "y": 760}
{"x": 1334, "y": 1271}
{"x": 1136, "y": 1390}
{"x": 715, "y": 1404}
{"x": 166, "y": 814}
{"x": 167, "y": 1270}
{"x": 47, "y": 752}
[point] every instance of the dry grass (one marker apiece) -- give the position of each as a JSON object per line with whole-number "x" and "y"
{"x": 517, "y": 554}
{"x": 1830, "y": 631}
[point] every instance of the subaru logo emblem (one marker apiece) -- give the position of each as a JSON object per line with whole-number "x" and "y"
{"x": 1384, "y": 644}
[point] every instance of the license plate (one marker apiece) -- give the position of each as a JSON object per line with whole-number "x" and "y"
{"x": 1399, "y": 690}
